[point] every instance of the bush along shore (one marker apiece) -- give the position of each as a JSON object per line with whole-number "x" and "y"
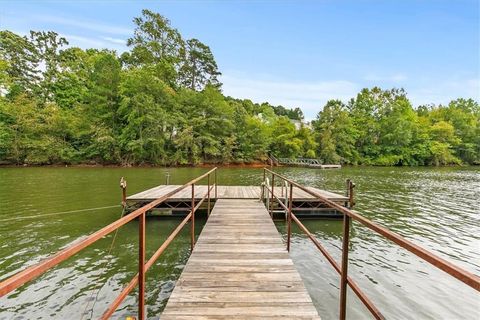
{"x": 161, "y": 103}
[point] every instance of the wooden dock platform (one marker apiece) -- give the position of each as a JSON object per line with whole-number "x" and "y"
{"x": 239, "y": 269}
{"x": 303, "y": 203}
{"x": 229, "y": 192}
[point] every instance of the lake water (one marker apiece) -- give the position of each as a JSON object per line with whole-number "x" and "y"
{"x": 437, "y": 208}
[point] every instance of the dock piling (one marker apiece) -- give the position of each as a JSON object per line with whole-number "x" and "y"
{"x": 350, "y": 187}
{"x": 208, "y": 186}
{"x": 272, "y": 195}
{"x": 192, "y": 229}
{"x": 141, "y": 267}
{"x": 344, "y": 270}
{"x": 289, "y": 218}
{"x": 123, "y": 185}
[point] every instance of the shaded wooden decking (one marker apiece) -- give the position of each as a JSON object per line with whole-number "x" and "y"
{"x": 239, "y": 269}
{"x": 229, "y": 192}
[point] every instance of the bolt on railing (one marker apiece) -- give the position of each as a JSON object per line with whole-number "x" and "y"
{"x": 348, "y": 214}
{"x": 38, "y": 269}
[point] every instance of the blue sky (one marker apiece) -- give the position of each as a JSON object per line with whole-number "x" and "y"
{"x": 295, "y": 53}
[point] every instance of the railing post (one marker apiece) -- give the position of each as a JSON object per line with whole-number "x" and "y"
{"x": 272, "y": 195}
{"x": 289, "y": 226}
{"x": 267, "y": 194}
{"x": 264, "y": 184}
{"x": 285, "y": 185}
{"x": 141, "y": 267}
{"x": 351, "y": 201}
{"x": 216, "y": 198}
{"x": 192, "y": 227}
{"x": 123, "y": 185}
{"x": 167, "y": 178}
{"x": 347, "y": 193}
{"x": 208, "y": 191}
{"x": 344, "y": 270}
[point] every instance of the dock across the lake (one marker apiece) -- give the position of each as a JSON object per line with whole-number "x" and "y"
{"x": 239, "y": 269}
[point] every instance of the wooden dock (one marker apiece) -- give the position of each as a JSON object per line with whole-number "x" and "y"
{"x": 239, "y": 269}
{"x": 303, "y": 162}
{"x": 229, "y": 192}
{"x": 303, "y": 203}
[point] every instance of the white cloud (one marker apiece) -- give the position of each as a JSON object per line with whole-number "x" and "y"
{"x": 309, "y": 96}
{"x": 79, "y": 35}
{"x": 86, "y": 25}
{"x": 88, "y": 42}
{"x": 83, "y": 42}
{"x": 115, "y": 40}
{"x": 443, "y": 91}
{"x": 312, "y": 96}
{"x": 97, "y": 43}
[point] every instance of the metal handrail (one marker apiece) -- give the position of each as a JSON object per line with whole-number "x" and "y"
{"x": 353, "y": 285}
{"x": 459, "y": 273}
{"x": 38, "y": 269}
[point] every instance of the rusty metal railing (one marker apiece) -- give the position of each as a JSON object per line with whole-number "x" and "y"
{"x": 459, "y": 273}
{"x": 34, "y": 271}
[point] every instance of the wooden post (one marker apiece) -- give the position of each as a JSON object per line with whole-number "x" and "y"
{"x": 347, "y": 192}
{"x": 289, "y": 232}
{"x": 344, "y": 270}
{"x": 167, "y": 178}
{"x": 216, "y": 198}
{"x": 267, "y": 195}
{"x": 264, "y": 181}
{"x": 262, "y": 192}
{"x": 123, "y": 185}
{"x": 192, "y": 227}
{"x": 351, "y": 201}
{"x": 271, "y": 199}
{"x": 208, "y": 191}
{"x": 141, "y": 267}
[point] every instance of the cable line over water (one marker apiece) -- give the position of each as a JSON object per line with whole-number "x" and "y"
{"x": 58, "y": 213}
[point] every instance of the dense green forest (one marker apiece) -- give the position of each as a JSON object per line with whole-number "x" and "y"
{"x": 161, "y": 103}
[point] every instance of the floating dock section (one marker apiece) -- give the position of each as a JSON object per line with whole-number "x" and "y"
{"x": 303, "y": 204}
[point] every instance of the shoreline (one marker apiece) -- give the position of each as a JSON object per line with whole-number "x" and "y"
{"x": 86, "y": 165}
{"x": 209, "y": 165}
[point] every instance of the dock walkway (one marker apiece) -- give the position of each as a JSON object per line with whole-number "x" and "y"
{"x": 239, "y": 269}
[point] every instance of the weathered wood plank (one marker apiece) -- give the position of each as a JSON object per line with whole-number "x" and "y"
{"x": 237, "y": 317}
{"x": 243, "y": 262}
{"x": 263, "y": 297}
{"x": 257, "y": 286}
{"x": 208, "y": 268}
{"x": 229, "y": 249}
{"x": 277, "y": 310}
{"x": 241, "y": 276}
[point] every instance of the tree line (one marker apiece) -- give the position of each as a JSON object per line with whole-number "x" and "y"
{"x": 161, "y": 103}
{"x": 380, "y": 127}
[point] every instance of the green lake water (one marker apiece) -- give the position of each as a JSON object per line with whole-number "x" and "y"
{"x": 437, "y": 208}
